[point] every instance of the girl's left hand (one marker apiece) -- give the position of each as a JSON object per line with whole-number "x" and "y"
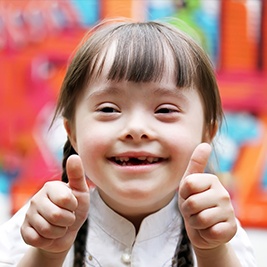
{"x": 205, "y": 204}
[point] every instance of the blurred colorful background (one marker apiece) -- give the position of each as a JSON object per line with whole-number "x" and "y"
{"x": 36, "y": 41}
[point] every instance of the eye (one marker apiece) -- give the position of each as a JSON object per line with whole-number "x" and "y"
{"x": 108, "y": 108}
{"x": 167, "y": 113}
{"x": 164, "y": 110}
{"x": 167, "y": 109}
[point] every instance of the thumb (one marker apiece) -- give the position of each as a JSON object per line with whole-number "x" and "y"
{"x": 75, "y": 172}
{"x": 199, "y": 159}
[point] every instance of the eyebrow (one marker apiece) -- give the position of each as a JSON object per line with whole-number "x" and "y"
{"x": 157, "y": 91}
{"x": 104, "y": 90}
{"x": 173, "y": 91}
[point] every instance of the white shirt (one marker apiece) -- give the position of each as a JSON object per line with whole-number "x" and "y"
{"x": 112, "y": 240}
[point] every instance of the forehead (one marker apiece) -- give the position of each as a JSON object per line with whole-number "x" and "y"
{"x": 149, "y": 92}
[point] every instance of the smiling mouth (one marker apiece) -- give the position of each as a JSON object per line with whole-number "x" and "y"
{"x": 131, "y": 161}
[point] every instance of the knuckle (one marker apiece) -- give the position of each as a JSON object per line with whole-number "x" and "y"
{"x": 28, "y": 219}
{"x": 191, "y": 204}
{"x": 234, "y": 228}
{"x": 49, "y": 184}
{"x": 199, "y": 221}
{"x": 34, "y": 202}
{"x": 203, "y": 220}
{"x": 217, "y": 232}
{"x": 214, "y": 180}
{"x": 226, "y": 196}
{"x": 65, "y": 198}
{"x": 71, "y": 220}
{"x": 45, "y": 230}
{"x": 55, "y": 216}
{"x": 187, "y": 186}
{"x": 30, "y": 236}
{"x": 188, "y": 182}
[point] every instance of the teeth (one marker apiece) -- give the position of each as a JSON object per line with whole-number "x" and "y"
{"x": 150, "y": 159}
{"x": 141, "y": 158}
{"x": 122, "y": 159}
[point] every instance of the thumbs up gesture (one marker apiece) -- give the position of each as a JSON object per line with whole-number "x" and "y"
{"x": 205, "y": 204}
{"x": 57, "y": 211}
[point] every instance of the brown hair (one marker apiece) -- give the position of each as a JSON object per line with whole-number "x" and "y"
{"x": 140, "y": 56}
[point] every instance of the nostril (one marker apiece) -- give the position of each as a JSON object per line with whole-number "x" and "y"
{"x": 128, "y": 136}
{"x": 144, "y": 136}
{"x": 136, "y": 136}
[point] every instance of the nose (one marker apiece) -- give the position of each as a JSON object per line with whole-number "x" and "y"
{"x": 137, "y": 129}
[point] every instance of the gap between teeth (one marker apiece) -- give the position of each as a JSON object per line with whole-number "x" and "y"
{"x": 126, "y": 159}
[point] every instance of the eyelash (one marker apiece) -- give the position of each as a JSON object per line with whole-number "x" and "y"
{"x": 108, "y": 110}
{"x": 166, "y": 111}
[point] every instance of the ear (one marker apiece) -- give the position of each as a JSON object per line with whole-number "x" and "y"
{"x": 71, "y": 133}
{"x": 210, "y": 131}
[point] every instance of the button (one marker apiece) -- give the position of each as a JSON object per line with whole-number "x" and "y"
{"x": 126, "y": 256}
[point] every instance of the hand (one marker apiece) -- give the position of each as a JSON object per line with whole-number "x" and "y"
{"x": 205, "y": 204}
{"x": 57, "y": 211}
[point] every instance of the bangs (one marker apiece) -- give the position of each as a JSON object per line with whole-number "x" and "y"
{"x": 136, "y": 58}
{"x": 144, "y": 53}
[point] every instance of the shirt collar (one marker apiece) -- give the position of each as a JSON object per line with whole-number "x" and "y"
{"x": 123, "y": 230}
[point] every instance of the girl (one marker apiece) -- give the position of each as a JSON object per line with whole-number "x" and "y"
{"x": 140, "y": 105}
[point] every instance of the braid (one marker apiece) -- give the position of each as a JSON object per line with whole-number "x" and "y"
{"x": 183, "y": 254}
{"x": 80, "y": 241}
{"x": 67, "y": 151}
{"x": 80, "y": 245}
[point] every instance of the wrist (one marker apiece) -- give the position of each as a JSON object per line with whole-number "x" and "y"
{"x": 211, "y": 252}
{"x": 222, "y": 255}
{"x": 52, "y": 255}
{"x": 41, "y": 258}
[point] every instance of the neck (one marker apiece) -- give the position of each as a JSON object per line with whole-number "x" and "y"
{"x": 135, "y": 212}
{"x": 136, "y": 220}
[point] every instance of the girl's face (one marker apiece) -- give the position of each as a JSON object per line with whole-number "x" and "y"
{"x": 135, "y": 140}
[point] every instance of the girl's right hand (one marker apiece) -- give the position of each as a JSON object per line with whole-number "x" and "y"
{"x": 57, "y": 211}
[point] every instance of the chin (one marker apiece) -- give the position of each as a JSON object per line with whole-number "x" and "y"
{"x": 143, "y": 197}
{"x": 138, "y": 191}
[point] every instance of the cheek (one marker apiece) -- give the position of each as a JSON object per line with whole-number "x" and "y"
{"x": 181, "y": 154}
{"x": 92, "y": 146}
{"x": 182, "y": 144}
